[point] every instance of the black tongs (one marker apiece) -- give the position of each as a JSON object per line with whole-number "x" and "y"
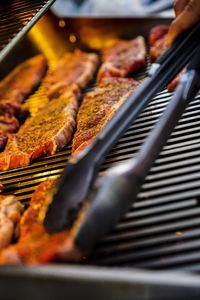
{"x": 115, "y": 192}
{"x": 78, "y": 177}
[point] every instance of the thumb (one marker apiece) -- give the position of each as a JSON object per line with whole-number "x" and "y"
{"x": 189, "y": 16}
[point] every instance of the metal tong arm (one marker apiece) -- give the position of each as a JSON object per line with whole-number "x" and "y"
{"x": 116, "y": 191}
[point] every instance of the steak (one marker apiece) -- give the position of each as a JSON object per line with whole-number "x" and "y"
{"x": 20, "y": 82}
{"x": 77, "y": 67}
{"x": 35, "y": 245}
{"x": 10, "y": 214}
{"x": 157, "y": 40}
{"x": 44, "y": 134}
{"x": 98, "y": 107}
{"x": 14, "y": 88}
{"x": 123, "y": 58}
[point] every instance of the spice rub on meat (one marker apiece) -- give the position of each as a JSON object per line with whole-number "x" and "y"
{"x": 98, "y": 107}
{"x": 76, "y": 67}
{"x": 123, "y": 58}
{"x": 10, "y": 214}
{"x": 44, "y": 134}
{"x": 35, "y": 245}
{"x": 14, "y": 88}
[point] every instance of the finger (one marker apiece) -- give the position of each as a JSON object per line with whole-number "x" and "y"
{"x": 189, "y": 16}
{"x": 179, "y": 6}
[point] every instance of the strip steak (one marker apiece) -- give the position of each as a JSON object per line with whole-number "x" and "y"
{"x": 44, "y": 134}
{"x": 98, "y": 107}
{"x": 77, "y": 67}
{"x": 14, "y": 88}
{"x": 123, "y": 58}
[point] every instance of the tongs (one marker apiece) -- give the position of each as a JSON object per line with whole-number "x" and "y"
{"x": 115, "y": 192}
{"x": 73, "y": 187}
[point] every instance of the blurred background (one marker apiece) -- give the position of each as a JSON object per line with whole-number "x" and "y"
{"x": 64, "y": 8}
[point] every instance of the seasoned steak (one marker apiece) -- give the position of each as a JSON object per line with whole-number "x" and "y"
{"x": 35, "y": 245}
{"x": 98, "y": 107}
{"x": 14, "y": 88}
{"x": 77, "y": 67}
{"x": 123, "y": 58}
{"x": 20, "y": 82}
{"x": 44, "y": 134}
{"x": 10, "y": 214}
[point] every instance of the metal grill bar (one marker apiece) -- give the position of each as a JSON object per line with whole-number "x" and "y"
{"x": 16, "y": 18}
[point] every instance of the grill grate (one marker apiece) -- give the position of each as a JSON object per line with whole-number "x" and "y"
{"x": 162, "y": 230}
{"x": 16, "y": 18}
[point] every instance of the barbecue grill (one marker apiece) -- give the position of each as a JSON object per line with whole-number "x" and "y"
{"x": 162, "y": 230}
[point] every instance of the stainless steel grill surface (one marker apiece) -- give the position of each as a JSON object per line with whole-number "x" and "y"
{"x": 162, "y": 230}
{"x": 16, "y": 18}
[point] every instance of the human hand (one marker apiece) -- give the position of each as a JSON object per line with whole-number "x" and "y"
{"x": 187, "y": 14}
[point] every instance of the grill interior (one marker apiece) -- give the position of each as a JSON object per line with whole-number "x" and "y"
{"x": 16, "y": 18}
{"x": 162, "y": 230}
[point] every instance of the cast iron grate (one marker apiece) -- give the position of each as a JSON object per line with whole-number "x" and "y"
{"x": 16, "y": 18}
